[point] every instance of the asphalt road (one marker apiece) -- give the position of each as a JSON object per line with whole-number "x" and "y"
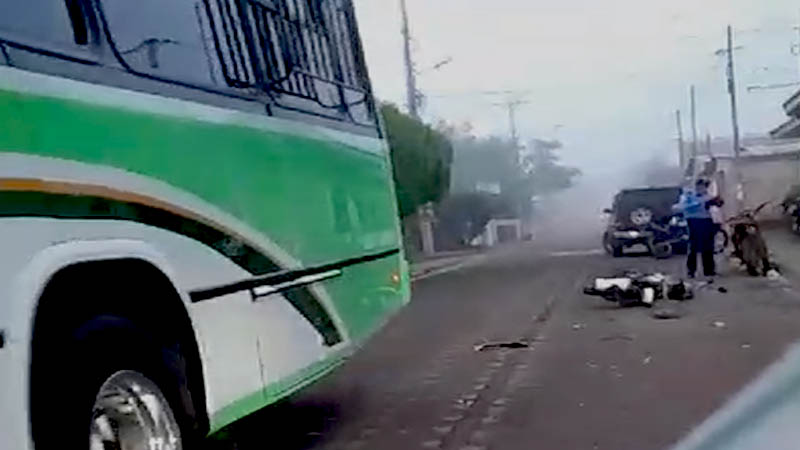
{"x": 596, "y": 377}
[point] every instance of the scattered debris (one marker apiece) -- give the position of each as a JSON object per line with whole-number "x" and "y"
{"x": 745, "y": 346}
{"x": 736, "y": 263}
{"x": 718, "y": 324}
{"x": 578, "y": 326}
{"x": 648, "y": 295}
{"x": 647, "y": 360}
{"x": 678, "y": 290}
{"x": 499, "y": 345}
{"x": 667, "y": 313}
{"x": 617, "y": 337}
{"x": 773, "y": 274}
{"x": 591, "y": 365}
{"x": 722, "y": 289}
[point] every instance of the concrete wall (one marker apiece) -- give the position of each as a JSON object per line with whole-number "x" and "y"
{"x": 763, "y": 178}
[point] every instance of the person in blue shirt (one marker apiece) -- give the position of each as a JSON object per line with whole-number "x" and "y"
{"x": 695, "y": 208}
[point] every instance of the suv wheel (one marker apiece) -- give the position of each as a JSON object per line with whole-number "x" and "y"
{"x": 611, "y": 247}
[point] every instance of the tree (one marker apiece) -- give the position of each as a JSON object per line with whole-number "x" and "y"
{"x": 462, "y": 216}
{"x": 519, "y": 174}
{"x": 421, "y": 158}
{"x": 484, "y": 161}
{"x": 544, "y": 170}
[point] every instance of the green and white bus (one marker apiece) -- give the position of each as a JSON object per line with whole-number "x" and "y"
{"x": 196, "y": 214}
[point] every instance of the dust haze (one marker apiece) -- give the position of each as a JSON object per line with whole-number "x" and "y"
{"x": 574, "y": 218}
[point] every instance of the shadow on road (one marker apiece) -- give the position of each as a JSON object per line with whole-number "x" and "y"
{"x": 290, "y": 425}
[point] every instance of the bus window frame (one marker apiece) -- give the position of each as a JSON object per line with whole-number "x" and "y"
{"x": 76, "y": 52}
{"x": 265, "y": 96}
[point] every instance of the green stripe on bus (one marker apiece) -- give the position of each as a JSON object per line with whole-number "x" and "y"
{"x": 319, "y": 200}
{"x": 64, "y": 206}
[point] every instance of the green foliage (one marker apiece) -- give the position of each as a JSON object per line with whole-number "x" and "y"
{"x": 421, "y": 157}
{"x": 464, "y": 215}
{"x": 520, "y": 174}
{"x": 544, "y": 170}
{"x": 489, "y": 160}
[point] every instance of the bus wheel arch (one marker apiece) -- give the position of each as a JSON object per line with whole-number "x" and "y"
{"x": 130, "y": 288}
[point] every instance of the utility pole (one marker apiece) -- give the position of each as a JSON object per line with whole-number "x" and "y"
{"x": 412, "y": 99}
{"x": 511, "y": 105}
{"x": 694, "y": 122}
{"x": 734, "y": 122}
{"x": 681, "y": 156}
{"x": 708, "y": 144}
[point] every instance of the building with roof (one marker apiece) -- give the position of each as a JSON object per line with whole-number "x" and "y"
{"x": 790, "y": 128}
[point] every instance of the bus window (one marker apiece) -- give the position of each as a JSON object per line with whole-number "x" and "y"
{"x": 43, "y": 22}
{"x": 160, "y": 38}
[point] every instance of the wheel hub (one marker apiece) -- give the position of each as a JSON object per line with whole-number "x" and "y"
{"x": 131, "y": 413}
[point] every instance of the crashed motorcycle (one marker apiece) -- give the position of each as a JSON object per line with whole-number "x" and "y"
{"x": 749, "y": 245}
{"x": 668, "y": 236}
{"x": 792, "y": 209}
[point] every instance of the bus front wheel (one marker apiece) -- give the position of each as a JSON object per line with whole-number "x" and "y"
{"x": 121, "y": 389}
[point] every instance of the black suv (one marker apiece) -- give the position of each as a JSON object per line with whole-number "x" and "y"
{"x": 644, "y": 216}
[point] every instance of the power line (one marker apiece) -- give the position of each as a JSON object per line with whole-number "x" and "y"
{"x": 472, "y": 93}
{"x": 758, "y": 87}
{"x": 511, "y": 105}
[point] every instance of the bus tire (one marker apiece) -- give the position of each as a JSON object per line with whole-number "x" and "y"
{"x": 118, "y": 373}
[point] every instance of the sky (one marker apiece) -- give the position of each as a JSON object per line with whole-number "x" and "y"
{"x": 604, "y": 77}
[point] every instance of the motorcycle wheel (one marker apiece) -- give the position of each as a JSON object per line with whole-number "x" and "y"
{"x": 720, "y": 241}
{"x": 661, "y": 250}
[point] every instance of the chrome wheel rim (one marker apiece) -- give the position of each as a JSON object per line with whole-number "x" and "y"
{"x": 131, "y": 413}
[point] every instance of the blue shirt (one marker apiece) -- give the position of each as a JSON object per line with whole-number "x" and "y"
{"x": 693, "y": 205}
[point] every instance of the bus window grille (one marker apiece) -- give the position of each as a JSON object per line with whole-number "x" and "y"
{"x": 307, "y": 49}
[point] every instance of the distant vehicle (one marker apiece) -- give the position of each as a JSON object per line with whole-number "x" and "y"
{"x": 645, "y": 217}
{"x": 197, "y": 216}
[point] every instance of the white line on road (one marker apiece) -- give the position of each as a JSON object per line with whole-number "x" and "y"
{"x": 594, "y": 251}
{"x": 450, "y": 268}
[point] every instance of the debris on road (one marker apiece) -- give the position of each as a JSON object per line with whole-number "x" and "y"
{"x": 773, "y": 274}
{"x": 718, "y": 324}
{"x": 578, "y": 326}
{"x": 667, "y": 313}
{"x": 647, "y": 360}
{"x": 648, "y": 295}
{"x": 678, "y": 290}
{"x": 617, "y": 337}
{"x": 501, "y": 345}
{"x": 722, "y": 289}
{"x": 745, "y": 346}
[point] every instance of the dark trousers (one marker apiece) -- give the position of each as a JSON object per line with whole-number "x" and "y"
{"x": 701, "y": 240}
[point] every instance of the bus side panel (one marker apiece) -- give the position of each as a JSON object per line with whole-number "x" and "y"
{"x": 320, "y": 200}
